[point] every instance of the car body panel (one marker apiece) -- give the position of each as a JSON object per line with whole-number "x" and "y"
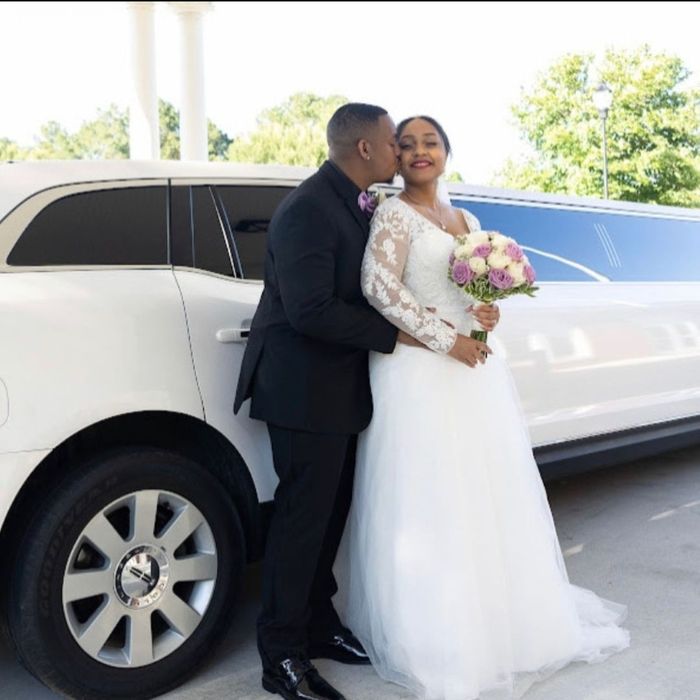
{"x": 216, "y": 306}
{"x": 82, "y": 346}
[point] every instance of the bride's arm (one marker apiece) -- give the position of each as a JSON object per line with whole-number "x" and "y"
{"x": 382, "y": 272}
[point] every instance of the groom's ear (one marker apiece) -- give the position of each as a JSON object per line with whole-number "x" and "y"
{"x": 363, "y": 148}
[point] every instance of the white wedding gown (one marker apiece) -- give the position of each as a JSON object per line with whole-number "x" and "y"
{"x": 450, "y": 570}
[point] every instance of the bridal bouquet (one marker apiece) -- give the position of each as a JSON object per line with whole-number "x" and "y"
{"x": 489, "y": 266}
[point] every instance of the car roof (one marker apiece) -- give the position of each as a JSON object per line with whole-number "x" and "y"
{"x": 21, "y": 179}
{"x": 555, "y": 200}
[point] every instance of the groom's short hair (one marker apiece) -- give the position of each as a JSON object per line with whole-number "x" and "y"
{"x": 350, "y": 123}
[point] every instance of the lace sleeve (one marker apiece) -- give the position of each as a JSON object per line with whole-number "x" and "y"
{"x": 382, "y": 271}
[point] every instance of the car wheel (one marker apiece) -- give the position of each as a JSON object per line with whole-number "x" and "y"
{"x": 126, "y": 577}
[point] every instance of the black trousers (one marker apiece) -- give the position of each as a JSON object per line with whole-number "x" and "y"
{"x": 312, "y": 501}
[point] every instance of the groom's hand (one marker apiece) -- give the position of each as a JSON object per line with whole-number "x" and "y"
{"x": 433, "y": 310}
{"x": 407, "y": 339}
{"x": 469, "y": 351}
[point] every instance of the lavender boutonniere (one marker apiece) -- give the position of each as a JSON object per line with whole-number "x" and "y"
{"x": 369, "y": 201}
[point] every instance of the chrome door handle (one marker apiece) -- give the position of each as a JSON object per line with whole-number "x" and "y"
{"x": 232, "y": 335}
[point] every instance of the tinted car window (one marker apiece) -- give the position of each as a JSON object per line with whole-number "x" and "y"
{"x": 566, "y": 234}
{"x": 654, "y": 249}
{"x": 249, "y": 210}
{"x": 125, "y": 226}
{"x": 181, "y": 227}
{"x": 621, "y": 247}
{"x": 555, "y": 269}
{"x": 210, "y": 250}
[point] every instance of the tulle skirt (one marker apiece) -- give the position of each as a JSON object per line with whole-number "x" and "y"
{"x": 450, "y": 570}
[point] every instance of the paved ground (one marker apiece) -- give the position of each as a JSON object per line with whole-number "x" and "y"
{"x": 630, "y": 533}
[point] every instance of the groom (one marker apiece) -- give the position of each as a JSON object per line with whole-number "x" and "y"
{"x": 305, "y": 368}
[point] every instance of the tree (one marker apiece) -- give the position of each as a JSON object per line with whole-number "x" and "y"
{"x": 54, "y": 142}
{"x": 107, "y": 136}
{"x": 169, "y": 130}
{"x": 9, "y": 150}
{"x": 293, "y": 133}
{"x": 169, "y": 125}
{"x": 653, "y": 130}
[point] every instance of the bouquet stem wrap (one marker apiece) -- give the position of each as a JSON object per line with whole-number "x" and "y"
{"x": 478, "y": 332}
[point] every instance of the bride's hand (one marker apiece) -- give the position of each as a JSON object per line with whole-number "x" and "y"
{"x": 469, "y": 351}
{"x": 487, "y": 315}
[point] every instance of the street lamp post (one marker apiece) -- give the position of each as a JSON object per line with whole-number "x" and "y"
{"x": 602, "y": 99}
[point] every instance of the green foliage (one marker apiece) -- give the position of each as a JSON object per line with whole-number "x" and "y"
{"x": 54, "y": 142}
{"x": 219, "y": 142}
{"x": 293, "y": 133}
{"x": 653, "y": 130}
{"x": 169, "y": 123}
{"x": 9, "y": 150}
{"x": 169, "y": 131}
{"x": 107, "y": 137}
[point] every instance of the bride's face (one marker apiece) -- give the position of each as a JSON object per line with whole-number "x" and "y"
{"x": 422, "y": 153}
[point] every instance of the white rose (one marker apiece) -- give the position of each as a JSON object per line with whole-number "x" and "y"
{"x": 478, "y": 266}
{"x": 498, "y": 261}
{"x": 478, "y": 237}
{"x": 464, "y": 251}
{"x": 516, "y": 272}
{"x": 499, "y": 241}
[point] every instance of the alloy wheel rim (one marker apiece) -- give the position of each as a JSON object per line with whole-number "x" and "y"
{"x": 139, "y": 578}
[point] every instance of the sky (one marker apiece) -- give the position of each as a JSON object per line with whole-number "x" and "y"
{"x": 464, "y": 63}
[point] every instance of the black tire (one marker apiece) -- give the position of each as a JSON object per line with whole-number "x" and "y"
{"x": 38, "y": 626}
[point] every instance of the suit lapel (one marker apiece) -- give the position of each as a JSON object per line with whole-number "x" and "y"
{"x": 343, "y": 189}
{"x": 359, "y": 215}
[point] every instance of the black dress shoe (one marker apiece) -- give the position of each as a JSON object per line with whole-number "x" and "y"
{"x": 343, "y": 647}
{"x": 298, "y": 679}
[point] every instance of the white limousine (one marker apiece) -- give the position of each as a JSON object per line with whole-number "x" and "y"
{"x": 131, "y": 497}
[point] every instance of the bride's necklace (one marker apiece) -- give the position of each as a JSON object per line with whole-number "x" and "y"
{"x": 434, "y": 211}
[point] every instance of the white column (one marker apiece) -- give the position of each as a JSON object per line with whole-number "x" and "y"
{"x": 193, "y": 116}
{"x": 144, "y": 141}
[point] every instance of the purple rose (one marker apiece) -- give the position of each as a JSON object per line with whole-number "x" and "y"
{"x": 529, "y": 273}
{"x": 452, "y": 258}
{"x": 514, "y": 251}
{"x": 367, "y": 203}
{"x": 462, "y": 273}
{"x": 482, "y": 251}
{"x": 501, "y": 279}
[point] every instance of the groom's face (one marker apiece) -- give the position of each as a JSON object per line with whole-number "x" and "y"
{"x": 383, "y": 141}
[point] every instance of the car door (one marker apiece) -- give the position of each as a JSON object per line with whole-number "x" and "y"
{"x": 218, "y": 247}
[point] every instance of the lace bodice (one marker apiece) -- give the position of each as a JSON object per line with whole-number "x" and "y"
{"x": 404, "y": 271}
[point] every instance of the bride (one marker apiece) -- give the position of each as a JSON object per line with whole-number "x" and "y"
{"x": 454, "y": 580}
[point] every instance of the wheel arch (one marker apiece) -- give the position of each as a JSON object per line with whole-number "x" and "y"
{"x": 176, "y": 432}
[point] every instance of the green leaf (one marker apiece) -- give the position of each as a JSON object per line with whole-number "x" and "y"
{"x": 653, "y": 130}
{"x": 293, "y": 133}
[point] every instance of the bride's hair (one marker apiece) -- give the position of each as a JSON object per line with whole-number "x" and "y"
{"x": 402, "y": 125}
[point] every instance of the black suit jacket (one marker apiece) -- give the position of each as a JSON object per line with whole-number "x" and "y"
{"x": 305, "y": 365}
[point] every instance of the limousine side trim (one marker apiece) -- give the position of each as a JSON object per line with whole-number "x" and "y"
{"x": 599, "y": 451}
